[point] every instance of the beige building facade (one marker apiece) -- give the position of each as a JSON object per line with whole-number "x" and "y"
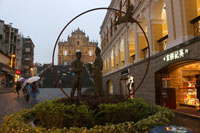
{"x": 78, "y": 41}
{"x": 172, "y": 28}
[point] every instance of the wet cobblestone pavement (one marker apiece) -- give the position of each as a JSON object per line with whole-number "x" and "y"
{"x": 10, "y": 103}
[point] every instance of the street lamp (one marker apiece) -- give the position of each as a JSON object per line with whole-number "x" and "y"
{"x": 11, "y": 61}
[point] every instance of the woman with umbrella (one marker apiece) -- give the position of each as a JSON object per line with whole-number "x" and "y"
{"x": 34, "y": 88}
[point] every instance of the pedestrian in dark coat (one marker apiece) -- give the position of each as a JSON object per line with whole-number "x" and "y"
{"x": 18, "y": 86}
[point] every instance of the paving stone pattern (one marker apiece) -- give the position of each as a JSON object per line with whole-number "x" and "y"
{"x": 10, "y": 103}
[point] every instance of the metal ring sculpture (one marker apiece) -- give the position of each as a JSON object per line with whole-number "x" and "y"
{"x": 102, "y": 8}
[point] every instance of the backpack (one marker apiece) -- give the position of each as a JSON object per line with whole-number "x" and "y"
{"x": 34, "y": 88}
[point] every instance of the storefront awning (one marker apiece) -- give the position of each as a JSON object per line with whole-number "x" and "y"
{"x": 6, "y": 69}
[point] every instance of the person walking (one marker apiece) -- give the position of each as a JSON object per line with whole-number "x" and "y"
{"x": 33, "y": 93}
{"x": 18, "y": 87}
{"x": 77, "y": 68}
{"x": 27, "y": 92}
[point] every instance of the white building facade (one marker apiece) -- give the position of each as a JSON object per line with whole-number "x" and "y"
{"x": 172, "y": 28}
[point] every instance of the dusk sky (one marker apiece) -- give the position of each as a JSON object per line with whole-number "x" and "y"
{"x": 43, "y": 20}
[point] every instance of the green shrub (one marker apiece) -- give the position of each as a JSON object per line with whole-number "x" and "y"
{"x": 52, "y": 114}
{"x": 128, "y": 116}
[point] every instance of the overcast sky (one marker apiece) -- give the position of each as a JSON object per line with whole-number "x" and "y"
{"x": 43, "y": 20}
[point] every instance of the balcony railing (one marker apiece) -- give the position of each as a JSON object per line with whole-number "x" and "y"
{"x": 196, "y": 25}
{"x": 163, "y": 43}
{"x": 144, "y": 52}
{"x": 132, "y": 58}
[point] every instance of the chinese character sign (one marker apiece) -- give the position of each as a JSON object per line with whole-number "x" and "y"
{"x": 176, "y": 55}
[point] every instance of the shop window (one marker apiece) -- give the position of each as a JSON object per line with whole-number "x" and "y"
{"x": 90, "y": 53}
{"x": 188, "y": 92}
{"x": 27, "y": 49}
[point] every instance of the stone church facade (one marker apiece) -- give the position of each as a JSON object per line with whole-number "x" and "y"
{"x": 78, "y": 41}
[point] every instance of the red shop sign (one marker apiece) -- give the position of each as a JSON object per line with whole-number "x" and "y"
{"x": 18, "y": 72}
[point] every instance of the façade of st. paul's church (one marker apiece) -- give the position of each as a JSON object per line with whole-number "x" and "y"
{"x": 78, "y": 41}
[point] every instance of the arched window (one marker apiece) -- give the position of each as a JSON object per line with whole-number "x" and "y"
{"x": 90, "y": 53}
{"x": 65, "y": 54}
{"x": 110, "y": 86}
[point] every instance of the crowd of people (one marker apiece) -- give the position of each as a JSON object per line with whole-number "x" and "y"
{"x": 30, "y": 91}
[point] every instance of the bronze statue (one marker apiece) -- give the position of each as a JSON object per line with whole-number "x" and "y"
{"x": 77, "y": 67}
{"x": 98, "y": 84}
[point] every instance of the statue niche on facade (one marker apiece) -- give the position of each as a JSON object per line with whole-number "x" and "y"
{"x": 97, "y": 77}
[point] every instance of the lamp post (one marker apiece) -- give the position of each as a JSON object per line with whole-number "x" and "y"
{"x": 12, "y": 60}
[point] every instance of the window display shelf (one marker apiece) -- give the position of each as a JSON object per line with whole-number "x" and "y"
{"x": 189, "y": 96}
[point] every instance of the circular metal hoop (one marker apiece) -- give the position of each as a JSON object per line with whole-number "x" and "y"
{"x": 101, "y": 8}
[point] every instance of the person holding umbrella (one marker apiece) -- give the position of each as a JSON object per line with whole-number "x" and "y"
{"x": 34, "y": 88}
{"x": 34, "y": 92}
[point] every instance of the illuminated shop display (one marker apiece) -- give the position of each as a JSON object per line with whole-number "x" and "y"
{"x": 189, "y": 91}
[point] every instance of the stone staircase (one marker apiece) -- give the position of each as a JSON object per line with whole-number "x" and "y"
{"x": 64, "y": 74}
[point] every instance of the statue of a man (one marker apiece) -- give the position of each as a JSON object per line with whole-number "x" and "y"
{"x": 77, "y": 68}
{"x": 98, "y": 84}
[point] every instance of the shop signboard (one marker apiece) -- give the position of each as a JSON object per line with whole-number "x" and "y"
{"x": 18, "y": 72}
{"x": 176, "y": 55}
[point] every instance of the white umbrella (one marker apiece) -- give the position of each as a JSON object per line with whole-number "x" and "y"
{"x": 20, "y": 78}
{"x": 33, "y": 79}
{"x": 24, "y": 84}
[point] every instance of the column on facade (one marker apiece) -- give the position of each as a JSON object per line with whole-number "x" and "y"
{"x": 126, "y": 47}
{"x": 116, "y": 56}
{"x": 131, "y": 45}
{"x": 109, "y": 59}
{"x": 137, "y": 51}
{"x": 156, "y": 34}
{"x": 170, "y": 21}
{"x": 141, "y": 42}
{"x": 107, "y": 64}
{"x": 118, "y": 50}
{"x": 104, "y": 62}
{"x": 112, "y": 59}
{"x": 121, "y": 53}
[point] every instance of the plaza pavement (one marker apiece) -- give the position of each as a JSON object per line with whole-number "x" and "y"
{"x": 10, "y": 103}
